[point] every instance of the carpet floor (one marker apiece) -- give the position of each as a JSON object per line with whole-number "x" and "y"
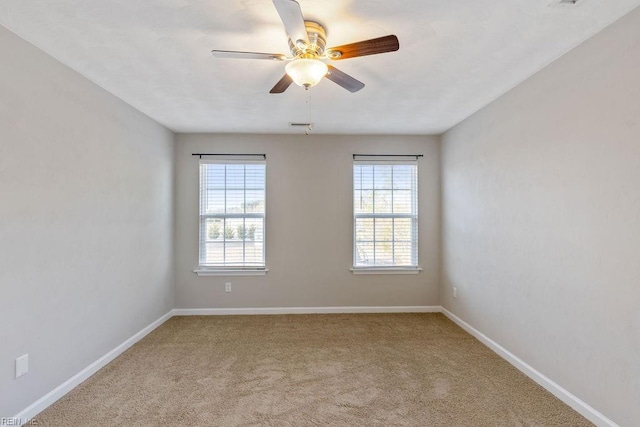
{"x": 310, "y": 370}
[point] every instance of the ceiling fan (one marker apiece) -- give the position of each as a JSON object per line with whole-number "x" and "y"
{"x": 307, "y": 41}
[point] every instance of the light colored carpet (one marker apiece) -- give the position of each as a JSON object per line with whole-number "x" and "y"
{"x": 301, "y": 370}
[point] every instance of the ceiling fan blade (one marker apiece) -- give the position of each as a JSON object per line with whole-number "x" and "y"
{"x": 291, "y": 15}
{"x": 248, "y": 55}
{"x": 366, "y": 47}
{"x": 344, "y": 80}
{"x": 282, "y": 85}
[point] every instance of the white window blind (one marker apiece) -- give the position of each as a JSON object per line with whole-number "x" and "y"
{"x": 232, "y": 214}
{"x": 385, "y": 211}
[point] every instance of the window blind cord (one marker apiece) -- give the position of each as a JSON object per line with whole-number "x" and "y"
{"x": 361, "y": 197}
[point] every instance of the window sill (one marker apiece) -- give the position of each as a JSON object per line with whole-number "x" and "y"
{"x": 222, "y": 272}
{"x": 385, "y": 270}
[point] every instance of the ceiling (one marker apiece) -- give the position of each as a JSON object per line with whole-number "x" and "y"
{"x": 455, "y": 57}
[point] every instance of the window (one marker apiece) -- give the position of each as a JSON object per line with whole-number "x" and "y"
{"x": 232, "y": 215}
{"x": 385, "y": 214}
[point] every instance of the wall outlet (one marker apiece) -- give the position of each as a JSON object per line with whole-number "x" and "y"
{"x": 455, "y": 292}
{"x": 22, "y": 365}
{"x": 227, "y": 287}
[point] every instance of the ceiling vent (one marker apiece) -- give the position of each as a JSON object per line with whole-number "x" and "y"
{"x": 564, "y": 2}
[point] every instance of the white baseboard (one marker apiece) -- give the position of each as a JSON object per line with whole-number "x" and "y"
{"x": 303, "y": 310}
{"x": 45, "y": 401}
{"x": 574, "y": 402}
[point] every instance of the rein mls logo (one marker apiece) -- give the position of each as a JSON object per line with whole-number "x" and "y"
{"x": 13, "y": 421}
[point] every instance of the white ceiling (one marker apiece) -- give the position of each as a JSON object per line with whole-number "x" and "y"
{"x": 455, "y": 57}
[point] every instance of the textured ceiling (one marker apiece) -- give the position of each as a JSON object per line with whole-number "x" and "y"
{"x": 455, "y": 57}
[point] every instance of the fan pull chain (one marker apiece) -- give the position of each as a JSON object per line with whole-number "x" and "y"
{"x": 307, "y": 129}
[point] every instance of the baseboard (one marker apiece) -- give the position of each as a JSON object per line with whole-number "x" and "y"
{"x": 45, "y": 401}
{"x": 574, "y": 402}
{"x": 304, "y": 310}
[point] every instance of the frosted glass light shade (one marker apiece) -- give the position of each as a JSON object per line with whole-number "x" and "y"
{"x": 306, "y": 72}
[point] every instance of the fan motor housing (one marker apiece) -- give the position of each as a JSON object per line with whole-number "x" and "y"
{"x": 317, "y": 42}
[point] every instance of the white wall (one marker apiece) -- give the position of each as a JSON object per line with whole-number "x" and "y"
{"x": 541, "y": 221}
{"x": 86, "y": 217}
{"x": 309, "y": 182}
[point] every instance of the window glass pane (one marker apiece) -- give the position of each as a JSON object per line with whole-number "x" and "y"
{"x": 403, "y": 177}
{"x": 214, "y": 202}
{"x": 233, "y": 253}
{"x": 214, "y": 229}
{"x": 254, "y": 201}
{"x": 402, "y": 202}
{"x": 235, "y": 201}
{"x": 214, "y": 252}
{"x": 383, "y": 229}
{"x": 382, "y": 201}
{"x": 230, "y": 228}
{"x": 364, "y": 254}
{"x": 235, "y": 176}
{"x": 254, "y": 254}
{"x": 233, "y": 247}
{"x": 363, "y": 201}
{"x": 254, "y": 241}
{"x": 357, "y": 201}
{"x": 214, "y": 177}
{"x": 255, "y": 176}
{"x": 363, "y": 175}
{"x": 403, "y": 253}
{"x": 402, "y": 229}
{"x": 384, "y": 253}
{"x": 364, "y": 230}
{"x": 382, "y": 176}
{"x": 254, "y": 229}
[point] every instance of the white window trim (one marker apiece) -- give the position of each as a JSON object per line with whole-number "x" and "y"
{"x": 383, "y": 270}
{"x": 226, "y": 272}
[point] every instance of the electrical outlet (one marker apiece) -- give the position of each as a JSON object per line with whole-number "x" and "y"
{"x": 22, "y": 365}
{"x": 455, "y": 292}
{"x": 227, "y": 287}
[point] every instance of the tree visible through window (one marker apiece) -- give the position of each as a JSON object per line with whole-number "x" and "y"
{"x": 385, "y": 206}
{"x": 232, "y": 214}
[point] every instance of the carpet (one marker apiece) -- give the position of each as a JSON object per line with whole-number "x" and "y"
{"x": 310, "y": 370}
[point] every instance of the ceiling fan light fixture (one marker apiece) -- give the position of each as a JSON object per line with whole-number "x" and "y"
{"x": 306, "y": 72}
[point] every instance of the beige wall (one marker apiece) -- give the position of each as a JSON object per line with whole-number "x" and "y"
{"x": 86, "y": 215}
{"x": 309, "y": 181}
{"x": 541, "y": 221}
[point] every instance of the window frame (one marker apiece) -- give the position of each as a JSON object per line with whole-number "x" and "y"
{"x": 414, "y": 268}
{"x": 230, "y": 270}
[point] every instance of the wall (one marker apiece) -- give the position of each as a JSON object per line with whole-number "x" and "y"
{"x": 86, "y": 218}
{"x": 541, "y": 221}
{"x": 309, "y": 182}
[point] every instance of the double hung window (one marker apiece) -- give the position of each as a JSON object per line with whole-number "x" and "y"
{"x": 232, "y": 215}
{"x": 385, "y": 214}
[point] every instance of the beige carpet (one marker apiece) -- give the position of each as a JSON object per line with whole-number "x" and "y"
{"x": 299, "y": 370}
